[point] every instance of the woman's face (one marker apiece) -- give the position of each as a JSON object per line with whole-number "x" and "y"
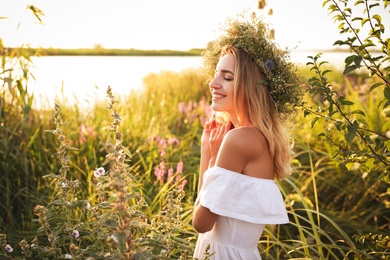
{"x": 222, "y": 86}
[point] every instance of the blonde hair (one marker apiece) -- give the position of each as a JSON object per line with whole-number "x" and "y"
{"x": 254, "y": 98}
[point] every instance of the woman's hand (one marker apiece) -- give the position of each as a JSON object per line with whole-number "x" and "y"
{"x": 205, "y": 148}
{"x": 215, "y": 139}
{"x": 206, "y": 133}
{"x": 209, "y": 126}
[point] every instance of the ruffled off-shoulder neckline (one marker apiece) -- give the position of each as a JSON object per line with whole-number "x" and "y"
{"x": 231, "y": 194}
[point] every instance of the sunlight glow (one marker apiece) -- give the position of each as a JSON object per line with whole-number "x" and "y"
{"x": 156, "y": 24}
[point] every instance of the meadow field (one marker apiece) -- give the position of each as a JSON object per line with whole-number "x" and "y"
{"x": 118, "y": 179}
{"x": 148, "y": 145}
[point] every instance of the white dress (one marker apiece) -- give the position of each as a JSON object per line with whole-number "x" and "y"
{"x": 245, "y": 205}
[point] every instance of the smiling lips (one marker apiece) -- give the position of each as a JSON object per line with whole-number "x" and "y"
{"x": 217, "y": 96}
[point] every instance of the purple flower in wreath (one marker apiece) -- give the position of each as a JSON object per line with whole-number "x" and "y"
{"x": 269, "y": 64}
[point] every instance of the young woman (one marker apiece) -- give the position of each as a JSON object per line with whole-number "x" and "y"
{"x": 255, "y": 86}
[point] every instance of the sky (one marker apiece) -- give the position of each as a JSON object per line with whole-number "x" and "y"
{"x": 157, "y": 24}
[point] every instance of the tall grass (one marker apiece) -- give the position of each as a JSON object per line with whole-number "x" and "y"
{"x": 160, "y": 129}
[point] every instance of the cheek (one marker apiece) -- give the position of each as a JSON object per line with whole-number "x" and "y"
{"x": 230, "y": 90}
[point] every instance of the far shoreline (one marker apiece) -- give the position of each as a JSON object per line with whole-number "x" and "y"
{"x": 103, "y": 52}
{"x": 126, "y": 52}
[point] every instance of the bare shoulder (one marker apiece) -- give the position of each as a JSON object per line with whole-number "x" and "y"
{"x": 240, "y": 146}
{"x": 246, "y": 138}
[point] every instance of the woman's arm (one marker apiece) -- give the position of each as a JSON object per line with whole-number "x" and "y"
{"x": 204, "y": 152}
{"x": 203, "y": 219}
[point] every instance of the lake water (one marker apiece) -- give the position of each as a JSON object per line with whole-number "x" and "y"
{"x": 85, "y": 78}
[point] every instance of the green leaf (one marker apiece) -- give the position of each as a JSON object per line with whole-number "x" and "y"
{"x": 349, "y": 165}
{"x": 349, "y": 59}
{"x": 359, "y": 112}
{"x": 376, "y": 85}
{"x": 52, "y": 175}
{"x": 386, "y": 92}
{"x": 349, "y": 69}
{"x": 32, "y": 139}
{"x": 127, "y": 152}
{"x": 314, "y": 121}
{"x": 111, "y": 199}
{"x": 341, "y": 26}
{"x": 340, "y": 43}
{"x": 359, "y": 2}
{"x": 373, "y": 5}
{"x": 346, "y": 102}
{"x": 357, "y": 60}
{"x": 370, "y": 163}
{"x": 72, "y": 148}
{"x": 377, "y": 17}
{"x": 364, "y": 21}
{"x": 325, "y": 2}
{"x": 385, "y": 126}
{"x": 351, "y": 132}
{"x": 357, "y": 19}
{"x": 325, "y": 72}
{"x": 338, "y": 125}
{"x": 387, "y": 143}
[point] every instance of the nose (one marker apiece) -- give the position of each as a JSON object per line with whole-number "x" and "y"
{"x": 214, "y": 84}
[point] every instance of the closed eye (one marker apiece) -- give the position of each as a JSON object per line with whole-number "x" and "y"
{"x": 227, "y": 75}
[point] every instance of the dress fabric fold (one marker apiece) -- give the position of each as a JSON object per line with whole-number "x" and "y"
{"x": 245, "y": 205}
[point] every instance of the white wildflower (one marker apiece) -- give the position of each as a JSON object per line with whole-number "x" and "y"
{"x": 9, "y": 248}
{"x": 99, "y": 172}
{"x": 75, "y": 233}
{"x": 68, "y": 256}
{"x": 114, "y": 238}
{"x": 87, "y": 205}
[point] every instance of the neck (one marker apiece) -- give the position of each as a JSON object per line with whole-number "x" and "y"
{"x": 240, "y": 123}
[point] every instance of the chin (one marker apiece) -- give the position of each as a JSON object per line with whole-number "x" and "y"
{"x": 216, "y": 108}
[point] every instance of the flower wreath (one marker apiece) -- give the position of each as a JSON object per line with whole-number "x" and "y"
{"x": 251, "y": 35}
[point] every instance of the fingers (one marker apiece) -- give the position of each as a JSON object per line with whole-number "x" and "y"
{"x": 229, "y": 125}
{"x": 210, "y": 124}
{"x": 207, "y": 127}
{"x": 219, "y": 132}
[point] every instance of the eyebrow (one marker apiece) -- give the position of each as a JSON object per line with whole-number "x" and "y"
{"x": 225, "y": 71}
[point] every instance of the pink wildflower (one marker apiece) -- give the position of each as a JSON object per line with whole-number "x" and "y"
{"x": 157, "y": 173}
{"x": 82, "y": 135}
{"x": 162, "y": 143}
{"x": 179, "y": 167}
{"x": 163, "y": 169}
{"x": 182, "y": 107}
{"x": 173, "y": 141}
{"x": 170, "y": 175}
{"x": 182, "y": 184}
